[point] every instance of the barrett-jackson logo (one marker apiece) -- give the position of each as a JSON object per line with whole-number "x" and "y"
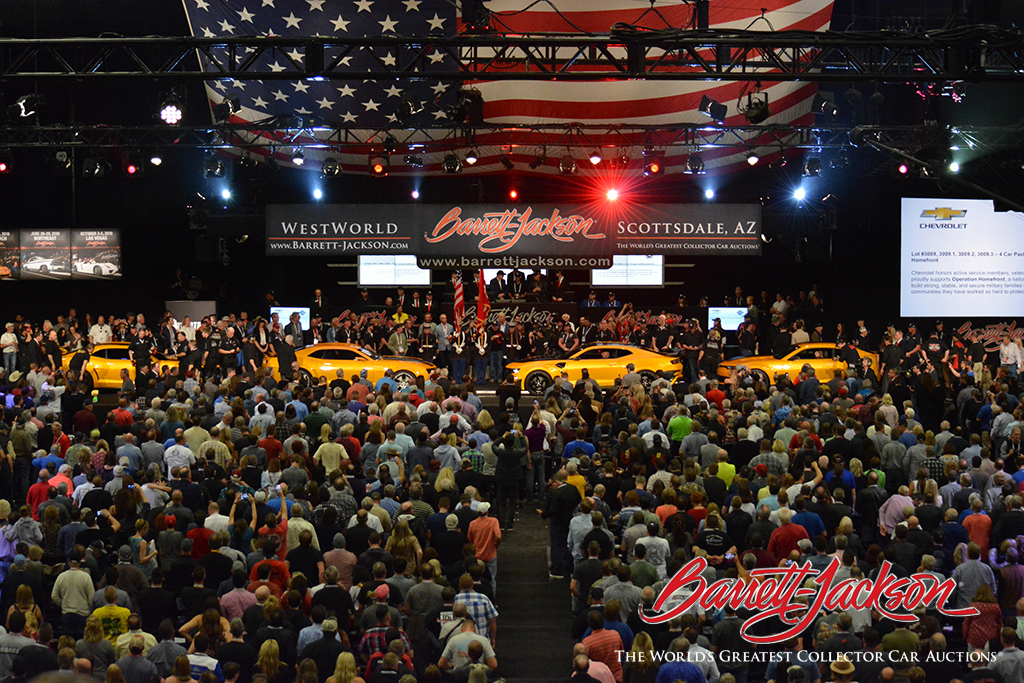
{"x": 502, "y": 230}
{"x": 992, "y": 335}
{"x": 773, "y": 595}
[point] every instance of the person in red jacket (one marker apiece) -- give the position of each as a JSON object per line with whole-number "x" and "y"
{"x": 37, "y": 493}
{"x": 784, "y": 540}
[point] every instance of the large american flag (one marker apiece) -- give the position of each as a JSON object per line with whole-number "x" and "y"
{"x": 372, "y": 105}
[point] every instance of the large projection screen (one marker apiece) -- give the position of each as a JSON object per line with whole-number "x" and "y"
{"x": 960, "y": 258}
{"x": 631, "y": 271}
{"x": 392, "y": 271}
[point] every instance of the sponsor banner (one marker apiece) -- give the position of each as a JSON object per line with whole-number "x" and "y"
{"x": 10, "y": 255}
{"x": 493, "y": 232}
{"x": 45, "y": 254}
{"x": 96, "y": 254}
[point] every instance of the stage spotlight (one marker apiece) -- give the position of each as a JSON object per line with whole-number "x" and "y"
{"x": 133, "y": 166}
{"x": 954, "y": 167}
{"x": 595, "y": 157}
{"x": 405, "y": 110}
{"x": 538, "y": 161}
{"x": 415, "y": 194}
{"x": 172, "y": 111}
{"x": 824, "y": 104}
{"x": 513, "y": 194}
{"x": 414, "y": 160}
{"x": 156, "y": 158}
{"x": 507, "y": 162}
{"x": 713, "y": 108}
{"x": 451, "y": 164}
{"x": 840, "y": 160}
{"x": 62, "y": 159}
{"x": 799, "y": 194}
{"x": 213, "y": 167}
{"x": 318, "y": 193}
{"x": 94, "y": 167}
{"x": 812, "y": 167}
{"x": 652, "y": 167}
{"x": 567, "y": 165}
{"x": 227, "y": 107}
{"x": 694, "y": 164}
{"x": 6, "y": 162}
{"x": 752, "y": 158}
{"x": 225, "y": 194}
{"x": 380, "y": 166}
{"x": 298, "y": 158}
{"x": 471, "y": 157}
{"x": 757, "y": 107}
{"x": 709, "y": 193}
{"x": 330, "y": 167}
{"x": 612, "y": 195}
{"x": 902, "y": 170}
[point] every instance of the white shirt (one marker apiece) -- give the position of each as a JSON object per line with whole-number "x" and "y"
{"x": 1009, "y": 354}
{"x": 178, "y": 456}
{"x": 100, "y": 334}
{"x": 9, "y": 338}
{"x": 216, "y": 523}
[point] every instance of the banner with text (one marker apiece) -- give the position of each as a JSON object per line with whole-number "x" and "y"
{"x": 449, "y": 236}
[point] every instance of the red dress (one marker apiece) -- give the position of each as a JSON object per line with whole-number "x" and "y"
{"x": 980, "y": 629}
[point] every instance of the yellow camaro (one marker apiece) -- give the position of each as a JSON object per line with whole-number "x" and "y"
{"x": 106, "y": 362}
{"x": 822, "y": 356}
{"x": 605, "y": 362}
{"x": 326, "y": 359}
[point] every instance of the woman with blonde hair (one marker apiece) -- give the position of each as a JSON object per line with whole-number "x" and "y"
{"x": 182, "y": 672}
{"x": 24, "y": 603}
{"x": 114, "y": 674}
{"x": 345, "y": 670}
{"x": 95, "y": 646}
{"x": 639, "y": 666}
{"x": 485, "y": 421}
{"x": 270, "y": 665}
{"x": 445, "y": 480}
{"x": 143, "y": 551}
{"x": 403, "y": 543}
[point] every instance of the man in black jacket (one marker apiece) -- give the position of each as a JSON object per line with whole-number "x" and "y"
{"x": 559, "y": 508}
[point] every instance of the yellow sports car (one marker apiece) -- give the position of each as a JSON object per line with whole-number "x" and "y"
{"x": 605, "y": 362}
{"x": 106, "y": 362}
{"x": 822, "y": 356}
{"x": 326, "y": 359}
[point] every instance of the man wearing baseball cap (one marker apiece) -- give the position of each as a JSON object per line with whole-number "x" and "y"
{"x": 325, "y": 650}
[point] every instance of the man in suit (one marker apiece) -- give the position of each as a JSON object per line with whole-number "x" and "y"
{"x": 319, "y": 301}
{"x": 443, "y": 332}
{"x": 558, "y": 508}
{"x": 294, "y": 327}
{"x": 315, "y": 333}
{"x": 429, "y": 305}
{"x": 499, "y": 288}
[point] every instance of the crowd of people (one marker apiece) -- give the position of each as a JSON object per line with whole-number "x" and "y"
{"x": 219, "y": 524}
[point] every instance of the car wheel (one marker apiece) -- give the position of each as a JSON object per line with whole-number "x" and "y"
{"x": 647, "y": 379}
{"x": 97, "y": 270}
{"x": 537, "y": 382}
{"x": 760, "y": 376}
{"x": 44, "y": 270}
{"x": 306, "y": 375}
{"x": 404, "y": 379}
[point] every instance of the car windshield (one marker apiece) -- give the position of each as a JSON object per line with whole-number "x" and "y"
{"x": 368, "y": 353}
{"x": 783, "y": 354}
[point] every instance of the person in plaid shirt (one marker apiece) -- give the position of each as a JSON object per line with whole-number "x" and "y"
{"x": 475, "y": 457}
{"x": 376, "y": 639}
{"x": 479, "y": 608}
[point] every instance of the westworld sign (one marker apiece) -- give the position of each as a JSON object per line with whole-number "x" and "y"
{"x": 486, "y": 232}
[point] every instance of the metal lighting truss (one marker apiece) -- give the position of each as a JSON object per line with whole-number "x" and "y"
{"x": 294, "y": 132}
{"x": 976, "y": 53}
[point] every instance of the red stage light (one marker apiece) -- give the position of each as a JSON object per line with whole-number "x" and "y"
{"x": 613, "y": 195}
{"x": 4, "y": 167}
{"x": 512, "y": 194}
{"x": 132, "y": 169}
{"x": 904, "y": 169}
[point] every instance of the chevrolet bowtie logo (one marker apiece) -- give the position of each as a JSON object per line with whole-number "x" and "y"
{"x": 943, "y": 213}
